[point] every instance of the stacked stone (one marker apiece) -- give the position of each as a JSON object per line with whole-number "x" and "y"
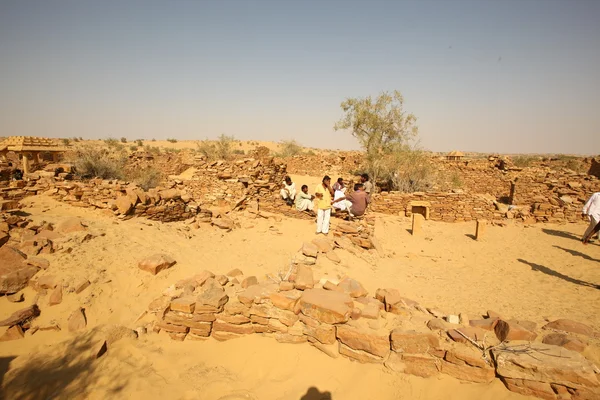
{"x": 447, "y": 207}
{"x": 340, "y": 163}
{"x": 340, "y": 318}
{"x": 236, "y": 183}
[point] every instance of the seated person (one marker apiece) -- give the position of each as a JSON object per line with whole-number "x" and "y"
{"x": 304, "y": 201}
{"x": 355, "y": 202}
{"x": 288, "y": 191}
{"x": 339, "y": 185}
{"x": 339, "y": 189}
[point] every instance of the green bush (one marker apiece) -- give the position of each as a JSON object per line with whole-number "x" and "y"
{"x": 66, "y": 142}
{"x": 133, "y": 148}
{"x": 123, "y": 140}
{"x": 139, "y": 142}
{"x": 172, "y": 140}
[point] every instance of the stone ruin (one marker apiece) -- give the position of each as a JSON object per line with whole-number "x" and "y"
{"x": 29, "y": 149}
{"x": 339, "y": 317}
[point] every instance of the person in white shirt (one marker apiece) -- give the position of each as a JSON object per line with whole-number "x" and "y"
{"x": 288, "y": 191}
{"x": 304, "y": 201}
{"x": 592, "y": 210}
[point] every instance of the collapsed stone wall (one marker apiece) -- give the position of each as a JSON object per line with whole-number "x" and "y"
{"x": 339, "y": 317}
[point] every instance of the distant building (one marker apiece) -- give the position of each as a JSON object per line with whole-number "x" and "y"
{"x": 454, "y": 156}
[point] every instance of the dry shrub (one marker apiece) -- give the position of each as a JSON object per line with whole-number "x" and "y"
{"x": 90, "y": 162}
{"x": 289, "y": 148}
{"x": 147, "y": 178}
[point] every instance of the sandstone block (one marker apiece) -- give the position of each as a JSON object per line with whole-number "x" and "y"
{"x": 359, "y": 355}
{"x": 487, "y": 324}
{"x": 352, "y": 287}
{"x": 184, "y": 304}
{"x": 233, "y": 319}
{"x": 284, "y": 301}
{"x": 326, "y": 306}
{"x": 197, "y": 321}
{"x": 568, "y": 325}
{"x": 473, "y": 333}
{"x": 14, "y": 272}
{"x": 304, "y": 278}
{"x": 506, "y": 330}
{"x": 81, "y": 285}
{"x": 413, "y": 342}
{"x": 249, "y": 281}
{"x": 21, "y": 316}
{"x": 566, "y": 341}
{"x": 310, "y": 249}
{"x": 56, "y": 296}
{"x": 156, "y": 263}
{"x": 77, "y": 320}
{"x": 525, "y": 387}
{"x": 257, "y": 293}
{"x": 287, "y": 338}
{"x": 373, "y": 342}
{"x": 12, "y": 333}
{"x": 219, "y": 326}
{"x": 70, "y": 225}
{"x": 332, "y": 350}
{"x": 422, "y": 365}
{"x": 468, "y": 373}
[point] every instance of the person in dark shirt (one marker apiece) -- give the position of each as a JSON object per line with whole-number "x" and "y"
{"x": 357, "y": 201}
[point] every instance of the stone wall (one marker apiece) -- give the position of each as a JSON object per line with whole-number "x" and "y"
{"x": 339, "y": 317}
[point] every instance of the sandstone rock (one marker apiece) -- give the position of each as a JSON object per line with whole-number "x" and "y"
{"x": 487, "y": 324}
{"x": 473, "y": 333}
{"x": 21, "y": 316}
{"x": 530, "y": 388}
{"x": 156, "y": 263}
{"x": 413, "y": 342}
{"x": 223, "y": 223}
{"x": 169, "y": 194}
{"x": 235, "y": 272}
{"x": 323, "y": 245}
{"x": 352, "y": 287}
{"x": 220, "y": 326}
{"x": 195, "y": 321}
{"x": 288, "y": 318}
{"x": 45, "y": 282}
{"x": 249, "y": 281}
{"x": 222, "y": 336}
{"x": 77, "y": 320}
{"x": 285, "y": 301}
{"x": 70, "y": 225}
{"x": 81, "y": 285}
{"x": 184, "y": 304}
{"x": 325, "y": 306}
{"x": 332, "y": 350}
{"x": 464, "y": 319}
{"x": 346, "y": 227}
{"x": 56, "y": 296}
{"x": 238, "y": 319}
{"x": 285, "y": 286}
{"x": 12, "y": 333}
{"x": 212, "y": 296}
{"x": 422, "y": 365}
{"x": 506, "y": 330}
{"x": 222, "y": 279}
{"x": 376, "y": 343}
{"x": 568, "y": 325}
{"x": 123, "y": 204}
{"x": 304, "y": 278}
{"x": 39, "y": 262}
{"x": 201, "y": 329}
{"x": 14, "y": 272}
{"x": 466, "y": 356}
{"x": 439, "y": 324}
{"x": 15, "y": 298}
{"x": 170, "y": 328}
{"x": 99, "y": 349}
{"x": 453, "y": 319}
{"x": 256, "y": 293}
{"x": 310, "y": 249}
{"x": 359, "y": 355}
{"x": 332, "y": 255}
{"x": 287, "y": 338}
{"x": 566, "y": 341}
{"x": 468, "y": 373}
{"x": 547, "y": 363}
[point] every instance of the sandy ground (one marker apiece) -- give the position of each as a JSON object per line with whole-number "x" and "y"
{"x": 522, "y": 272}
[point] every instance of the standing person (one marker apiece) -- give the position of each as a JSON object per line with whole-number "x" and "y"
{"x": 323, "y": 194}
{"x": 364, "y": 179}
{"x": 592, "y": 210}
{"x": 356, "y": 202}
{"x": 288, "y": 191}
{"x": 304, "y": 201}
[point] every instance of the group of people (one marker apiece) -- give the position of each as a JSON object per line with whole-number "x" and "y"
{"x": 327, "y": 197}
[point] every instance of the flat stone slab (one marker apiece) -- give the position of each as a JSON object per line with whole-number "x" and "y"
{"x": 326, "y": 306}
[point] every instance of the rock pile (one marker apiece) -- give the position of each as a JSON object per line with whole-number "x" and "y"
{"x": 340, "y": 318}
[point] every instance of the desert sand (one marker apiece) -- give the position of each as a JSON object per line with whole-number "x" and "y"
{"x": 526, "y": 272}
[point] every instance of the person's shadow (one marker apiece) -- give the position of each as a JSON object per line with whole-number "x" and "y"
{"x": 314, "y": 394}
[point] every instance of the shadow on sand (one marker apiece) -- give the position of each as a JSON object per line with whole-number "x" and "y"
{"x": 576, "y": 253}
{"x": 551, "y": 272}
{"x": 563, "y": 234}
{"x": 314, "y": 394}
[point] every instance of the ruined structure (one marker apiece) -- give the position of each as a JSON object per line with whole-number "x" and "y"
{"x": 30, "y": 149}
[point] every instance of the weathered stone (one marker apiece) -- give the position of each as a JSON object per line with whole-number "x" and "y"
{"x": 14, "y": 332}
{"x": 332, "y": 350}
{"x": 346, "y": 227}
{"x": 310, "y": 249}
{"x": 184, "y": 304}
{"x": 234, "y": 307}
{"x": 285, "y": 300}
{"x": 202, "y": 329}
{"x": 304, "y": 278}
{"x": 257, "y": 319}
{"x": 233, "y": 319}
{"x": 488, "y": 324}
{"x": 123, "y": 204}
{"x": 287, "y": 338}
{"x": 220, "y": 326}
{"x": 39, "y": 262}
{"x": 473, "y": 333}
{"x": 323, "y": 245}
{"x": 529, "y": 325}
{"x": 413, "y": 342}
{"x": 275, "y": 325}
{"x": 359, "y": 355}
{"x": 325, "y": 306}
{"x": 223, "y": 223}
{"x": 70, "y": 225}
{"x": 257, "y": 293}
{"x": 333, "y": 256}
{"x": 156, "y": 263}
{"x": 212, "y": 296}
{"x": 506, "y": 330}
{"x": 352, "y": 287}
{"x": 525, "y": 387}
{"x": 222, "y": 279}
{"x": 56, "y": 296}
{"x": 235, "y": 272}
{"x": 265, "y": 310}
{"x": 546, "y": 363}
{"x": 566, "y": 341}
{"x": 21, "y": 316}
{"x": 422, "y": 365}
{"x": 468, "y": 373}
{"x": 77, "y": 320}
{"x": 45, "y": 282}
{"x": 197, "y": 321}
{"x": 222, "y": 336}
{"x": 376, "y": 343}
{"x": 286, "y": 285}
{"x": 179, "y": 337}
{"x": 568, "y": 325}
{"x": 14, "y": 272}
{"x": 82, "y": 285}
{"x": 165, "y": 326}
{"x": 249, "y": 281}
{"x": 15, "y": 297}
{"x": 465, "y": 356}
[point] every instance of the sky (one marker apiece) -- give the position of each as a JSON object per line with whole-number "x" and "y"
{"x": 512, "y": 76}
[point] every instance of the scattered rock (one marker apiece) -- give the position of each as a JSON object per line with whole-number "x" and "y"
{"x": 332, "y": 255}
{"x": 325, "y": 306}
{"x": 249, "y": 281}
{"x": 310, "y": 249}
{"x": 352, "y": 287}
{"x": 56, "y": 296}
{"x": 304, "y": 278}
{"x": 77, "y": 320}
{"x": 14, "y": 272}
{"x": 12, "y": 333}
{"x": 566, "y": 341}
{"x": 156, "y": 263}
{"x": 15, "y": 297}
{"x": 70, "y": 225}
{"x": 81, "y": 286}
{"x": 568, "y": 325}
{"x": 413, "y": 342}
{"x": 512, "y": 331}
{"x": 21, "y": 316}
{"x": 373, "y": 342}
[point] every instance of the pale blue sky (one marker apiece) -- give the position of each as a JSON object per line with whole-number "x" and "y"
{"x": 492, "y": 76}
